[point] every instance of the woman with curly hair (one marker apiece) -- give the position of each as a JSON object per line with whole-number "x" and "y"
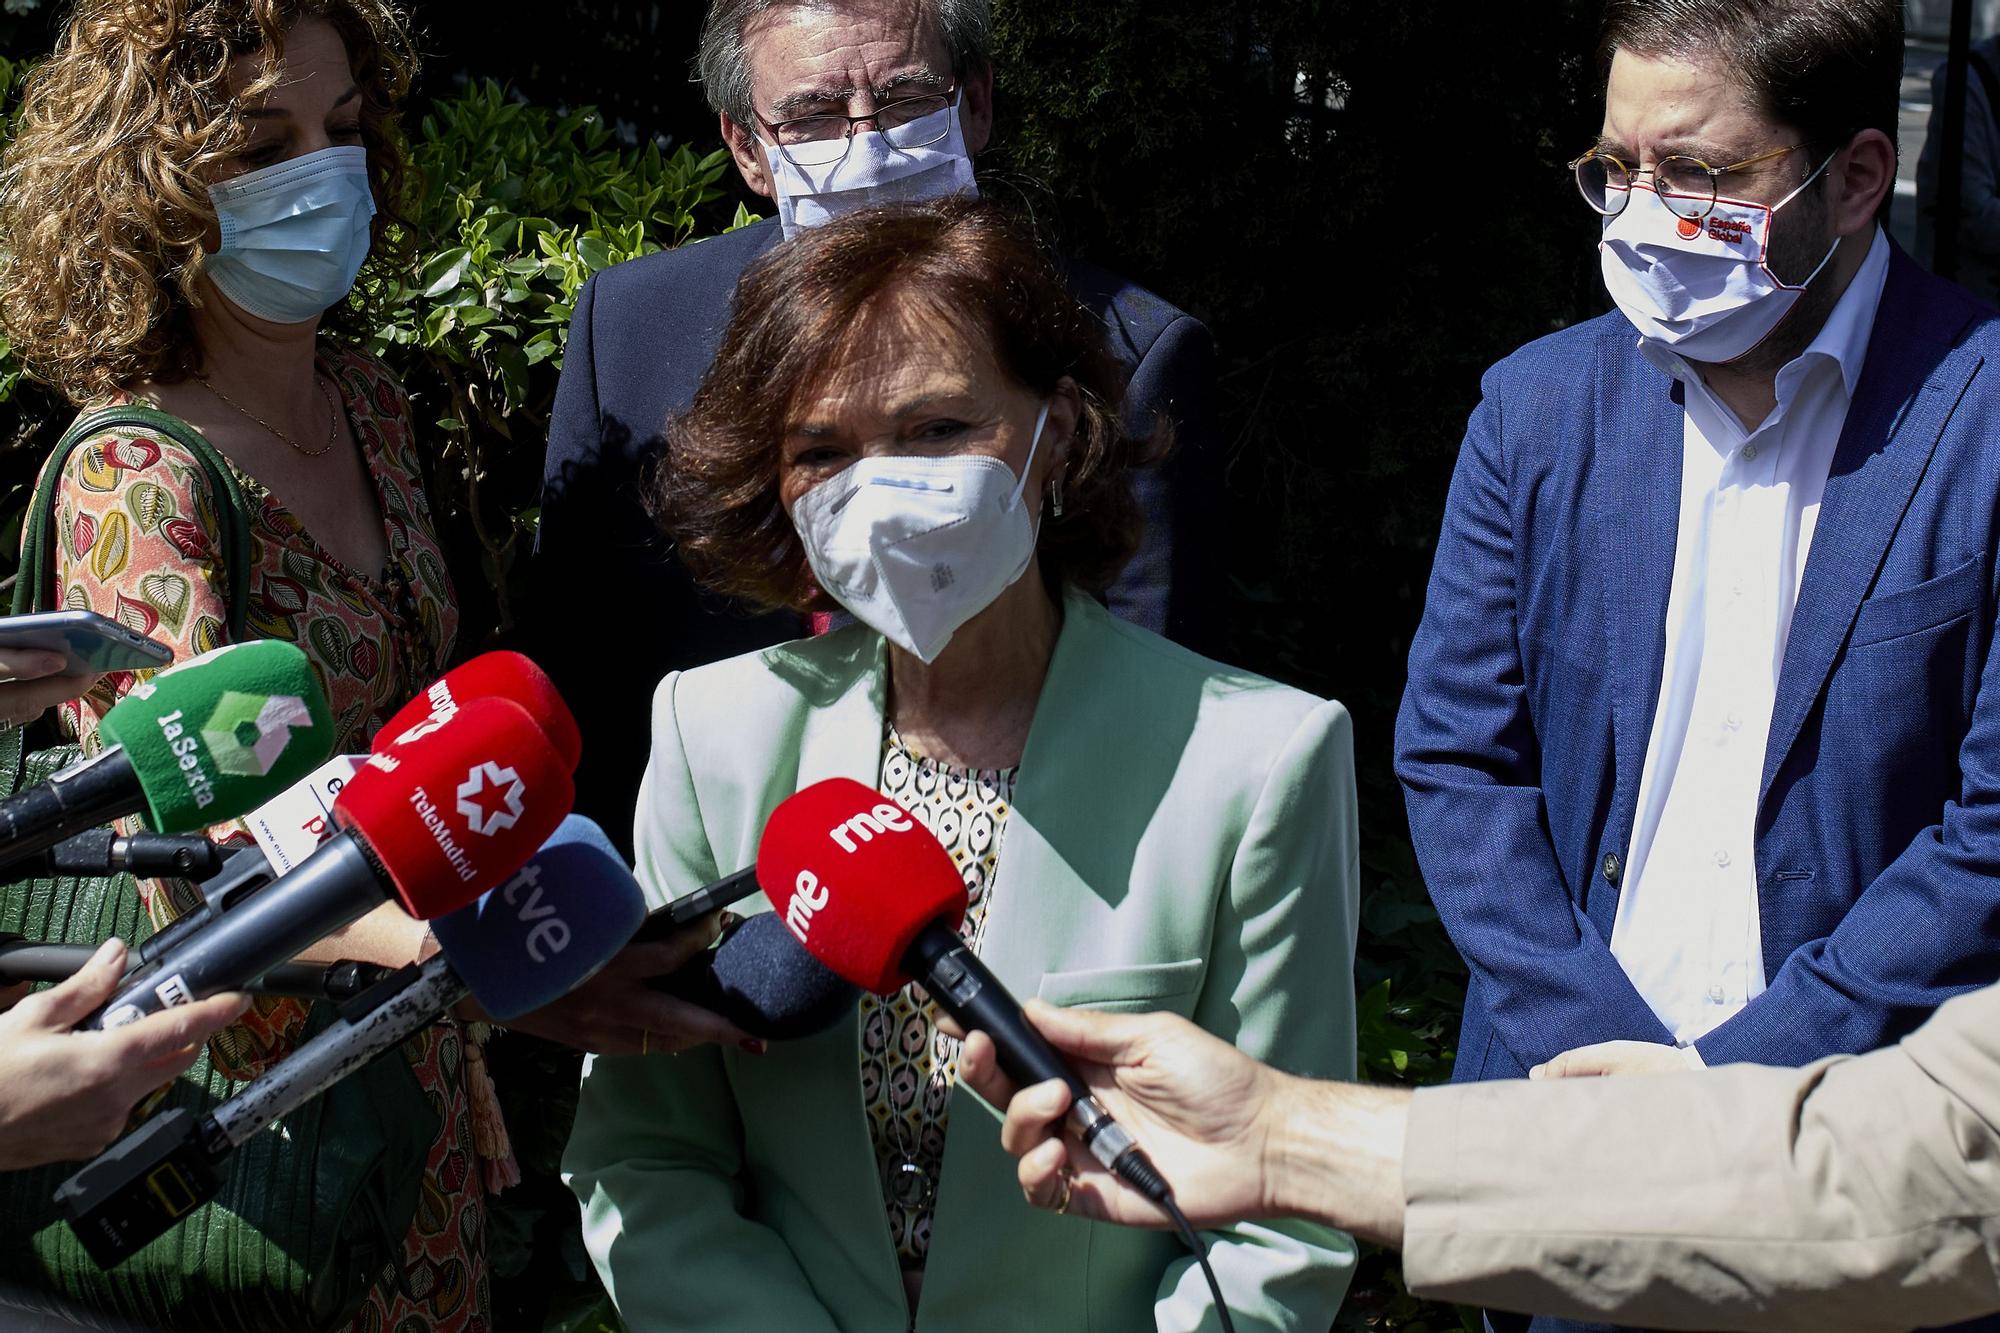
{"x": 192, "y": 190}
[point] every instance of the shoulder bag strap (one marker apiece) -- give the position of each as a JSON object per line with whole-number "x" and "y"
{"x": 32, "y": 590}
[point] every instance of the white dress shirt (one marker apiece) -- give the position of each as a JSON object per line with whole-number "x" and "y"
{"x": 1687, "y": 930}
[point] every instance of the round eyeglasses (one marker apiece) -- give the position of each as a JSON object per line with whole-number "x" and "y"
{"x": 815, "y": 141}
{"x": 1686, "y": 185}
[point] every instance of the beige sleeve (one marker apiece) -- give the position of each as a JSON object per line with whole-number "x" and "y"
{"x": 1857, "y": 1193}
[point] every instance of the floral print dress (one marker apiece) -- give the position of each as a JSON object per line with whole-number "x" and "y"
{"x": 139, "y": 539}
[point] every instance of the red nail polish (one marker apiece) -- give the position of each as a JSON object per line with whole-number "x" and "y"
{"x": 754, "y": 1045}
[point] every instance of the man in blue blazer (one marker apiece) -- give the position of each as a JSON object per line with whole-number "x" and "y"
{"x": 1701, "y": 745}
{"x": 614, "y": 611}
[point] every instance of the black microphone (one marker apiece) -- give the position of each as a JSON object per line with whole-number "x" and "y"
{"x": 759, "y": 978}
{"x": 205, "y": 741}
{"x": 521, "y": 946}
{"x": 27, "y": 960}
{"x": 105, "y": 851}
{"x": 875, "y": 898}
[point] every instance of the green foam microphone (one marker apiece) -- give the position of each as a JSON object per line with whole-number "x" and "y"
{"x": 201, "y": 742}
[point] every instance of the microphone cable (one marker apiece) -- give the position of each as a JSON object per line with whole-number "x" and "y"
{"x": 1137, "y": 1170}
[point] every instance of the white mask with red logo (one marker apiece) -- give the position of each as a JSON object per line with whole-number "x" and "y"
{"x": 1703, "y": 288}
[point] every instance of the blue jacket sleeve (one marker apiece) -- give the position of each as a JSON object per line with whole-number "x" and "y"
{"x": 1471, "y": 769}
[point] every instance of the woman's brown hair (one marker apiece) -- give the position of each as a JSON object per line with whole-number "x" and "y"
{"x": 804, "y": 307}
{"x": 103, "y": 191}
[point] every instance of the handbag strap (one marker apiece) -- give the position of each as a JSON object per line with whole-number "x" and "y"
{"x": 33, "y": 590}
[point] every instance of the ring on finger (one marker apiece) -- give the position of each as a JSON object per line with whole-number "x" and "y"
{"x": 1062, "y": 1200}
{"x": 644, "y": 1038}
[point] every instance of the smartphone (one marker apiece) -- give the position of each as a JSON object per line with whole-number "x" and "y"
{"x": 730, "y": 889}
{"x": 90, "y": 643}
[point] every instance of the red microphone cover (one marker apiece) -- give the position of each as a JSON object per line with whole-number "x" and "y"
{"x": 455, "y": 812}
{"x": 488, "y": 676}
{"x": 856, "y": 876}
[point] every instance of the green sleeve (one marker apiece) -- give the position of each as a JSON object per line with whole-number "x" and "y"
{"x": 656, "y": 1158}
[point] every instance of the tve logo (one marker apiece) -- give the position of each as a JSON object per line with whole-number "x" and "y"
{"x": 545, "y": 933}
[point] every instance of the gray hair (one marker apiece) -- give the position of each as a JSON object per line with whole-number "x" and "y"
{"x": 724, "y": 64}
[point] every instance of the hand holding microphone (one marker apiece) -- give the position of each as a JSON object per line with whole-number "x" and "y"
{"x": 65, "y": 1094}
{"x": 527, "y": 941}
{"x": 1200, "y": 1105}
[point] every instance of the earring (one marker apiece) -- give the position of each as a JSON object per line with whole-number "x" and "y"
{"x": 1055, "y": 494}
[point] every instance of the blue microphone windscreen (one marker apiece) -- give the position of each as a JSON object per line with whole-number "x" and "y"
{"x": 763, "y": 980}
{"x": 544, "y": 931}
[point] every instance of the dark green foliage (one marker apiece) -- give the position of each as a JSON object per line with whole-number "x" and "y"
{"x": 518, "y": 205}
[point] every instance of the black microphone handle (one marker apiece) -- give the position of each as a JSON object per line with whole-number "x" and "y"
{"x": 105, "y": 851}
{"x": 82, "y": 796}
{"x": 25, "y": 960}
{"x": 966, "y": 988}
{"x": 335, "y": 886}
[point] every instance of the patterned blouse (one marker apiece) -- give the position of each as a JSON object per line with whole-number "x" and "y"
{"x": 139, "y": 539}
{"x": 908, "y": 1067}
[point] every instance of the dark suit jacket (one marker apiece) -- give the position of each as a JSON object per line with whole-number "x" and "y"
{"x": 614, "y": 611}
{"x": 1535, "y": 674}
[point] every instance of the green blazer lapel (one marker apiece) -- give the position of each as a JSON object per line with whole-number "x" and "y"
{"x": 1108, "y": 738}
{"x": 841, "y": 682}
{"x": 1047, "y": 815}
{"x": 841, "y": 734}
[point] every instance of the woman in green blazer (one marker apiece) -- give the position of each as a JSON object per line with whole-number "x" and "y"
{"x": 909, "y": 414}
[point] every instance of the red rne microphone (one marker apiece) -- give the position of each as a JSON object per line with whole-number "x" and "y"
{"x": 501, "y": 675}
{"x": 878, "y": 901}
{"x": 431, "y": 826}
{"x": 454, "y": 812}
{"x": 857, "y": 879}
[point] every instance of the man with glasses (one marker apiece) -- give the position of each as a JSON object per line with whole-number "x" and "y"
{"x": 826, "y": 107}
{"x": 1698, "y": 757}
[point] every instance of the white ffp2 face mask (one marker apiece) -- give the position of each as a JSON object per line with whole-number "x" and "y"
{"x": 915, "y": 547}
{"x": 294, "y": 235}
{"x": 1703, "y": 289}
{"x": 873, "y": 171}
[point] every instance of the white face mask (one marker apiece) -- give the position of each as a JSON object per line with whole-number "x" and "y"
{"x": 873, "y": 171}
{"x": 294, "y": 235}
{"x": 915, "y": 547}
{"x": 1703, "y": 288}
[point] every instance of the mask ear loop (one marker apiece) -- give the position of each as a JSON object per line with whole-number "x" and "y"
{"x": 1805, "y": 185}
{"x": 1041, "y": 420}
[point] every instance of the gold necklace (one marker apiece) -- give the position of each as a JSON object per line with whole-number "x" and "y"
{"x": 332, "y": 425}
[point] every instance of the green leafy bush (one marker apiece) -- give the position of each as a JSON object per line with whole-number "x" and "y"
{"x": 517, "y": 206}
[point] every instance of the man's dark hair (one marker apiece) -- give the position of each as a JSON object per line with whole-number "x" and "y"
{"x": 724, "y": 65}
{"x": 1827, "y": 68}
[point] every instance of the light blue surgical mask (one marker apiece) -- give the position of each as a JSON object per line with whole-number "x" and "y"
{"x": 294, "y": 235}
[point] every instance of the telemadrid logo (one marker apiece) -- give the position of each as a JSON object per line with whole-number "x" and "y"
{"x": 247, "y": 733}
{"x": 490, "y": 798}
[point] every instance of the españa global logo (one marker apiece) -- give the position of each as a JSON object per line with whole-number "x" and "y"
{"x": 490, "y": 798}
{"x": 247, "y": 733}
